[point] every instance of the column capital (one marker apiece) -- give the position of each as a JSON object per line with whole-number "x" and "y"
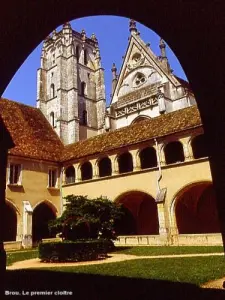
{"x": 95, "y": 168}
{"x": 115, "y": 165}
{"x": 136, "y": 159}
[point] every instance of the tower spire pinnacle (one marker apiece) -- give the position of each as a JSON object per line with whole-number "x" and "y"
{"x": 163, "y": 57}
{"x": 162, "y": 47}
{"x": 132, "y": 26}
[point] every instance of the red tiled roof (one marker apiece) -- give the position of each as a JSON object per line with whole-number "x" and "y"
{"x": 30, "y": 131}
{"x": 35, "y": 138}
{"x": 167, "y": 124}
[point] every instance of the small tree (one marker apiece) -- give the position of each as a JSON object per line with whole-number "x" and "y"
{"x": 87, "y": 218}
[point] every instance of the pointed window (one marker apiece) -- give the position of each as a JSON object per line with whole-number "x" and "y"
{"x": 84, "y": 117}
{"x": 85, "y": 57}
{"x": 52, "y": 92}
{"x": 52, "y": 119}
{"x": 83, "y": 87}
{"x": 77, "y": 53}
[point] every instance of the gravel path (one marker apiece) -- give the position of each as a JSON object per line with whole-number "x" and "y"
{"x": 36, "y": 263}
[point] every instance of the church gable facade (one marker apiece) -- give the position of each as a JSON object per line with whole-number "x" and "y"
{"x": 145, "y": 87}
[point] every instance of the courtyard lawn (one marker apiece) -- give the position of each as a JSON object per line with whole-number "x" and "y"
{"x": 196, "y": 270}
{"x": 20, "y": 255}
{"x": 168, "y": 250}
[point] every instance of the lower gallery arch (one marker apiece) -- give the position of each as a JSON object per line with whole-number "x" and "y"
{"x": 10, "y": 223}
{"x": 141, "y": 216}
{"x": 42, "y": 214}
{"x": 196, "y": 210}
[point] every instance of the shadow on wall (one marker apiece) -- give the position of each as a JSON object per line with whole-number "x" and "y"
{"x": 97, "y": 287}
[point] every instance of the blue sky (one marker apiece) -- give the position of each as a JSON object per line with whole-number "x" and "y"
{"x": 112, "y": 33}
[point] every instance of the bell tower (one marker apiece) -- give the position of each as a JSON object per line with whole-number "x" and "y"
{"x": 70, "y": 84}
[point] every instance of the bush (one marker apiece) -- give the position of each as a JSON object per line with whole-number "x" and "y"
{"x": 70, "y": 251}
{"x": 85, "y": 218}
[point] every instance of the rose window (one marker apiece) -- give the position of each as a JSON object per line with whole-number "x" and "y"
{"x": 140, "y": 79}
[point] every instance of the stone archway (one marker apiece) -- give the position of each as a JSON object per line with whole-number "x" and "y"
{"x": 141, "y": 216}
{"x": 10, "y": 224}
{"x": 196, "y": 210}
{"x": 42, "y": 214}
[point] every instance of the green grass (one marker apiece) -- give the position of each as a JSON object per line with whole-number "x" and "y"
{"x": 196, "y": 270}
{"x": 168, "y": 250}
{"x": 20, "y": 255}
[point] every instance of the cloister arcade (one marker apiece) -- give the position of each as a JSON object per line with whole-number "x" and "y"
{"x": 173, "y": 152}
{"x": 194, "y": 209}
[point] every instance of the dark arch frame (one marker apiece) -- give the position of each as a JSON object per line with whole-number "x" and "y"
{"x": 203, "y": 32}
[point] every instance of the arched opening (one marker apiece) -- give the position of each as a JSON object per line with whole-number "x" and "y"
{"x": 86, "y": 171}
{"x": 10, "y": 223}
{"x": 52, "y": 90}
{"x": 52, "y": 119}
{"x": 83, "y": 87}
{"x": 196, "y": 210}
{"x": 141, "y": 216}
{"x": 148, "y": 158}
{"x": 84, "y": 117}
{"x": 140, "y": 119}
{"x": 125, "y": 162}
{"x": 199, "y": 147}
{"x": 42, "y": 214}
{"x": 77, "y": 53}
{"x": 85, "y": 57}
{"x": 105, "y": 167}
{"x": 70, "y": 175}
{"x": 174, "y": 152}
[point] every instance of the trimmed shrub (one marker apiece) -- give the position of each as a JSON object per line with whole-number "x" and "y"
{"x": 69, "y": 251}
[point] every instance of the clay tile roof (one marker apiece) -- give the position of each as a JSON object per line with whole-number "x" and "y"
{"x": 148, "y": 129}
{"x": 30, "y": 131}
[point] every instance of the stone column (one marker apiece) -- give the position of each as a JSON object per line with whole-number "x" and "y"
{"x": 64, "y": 176}
{"x": 95, "y": 168}
{"x": 27, "y": 224}
{"x": 136, "y": 160}
{"x": 162, "y": 154}
{"x": 77, "y": 173}
{"x": 115, "y": 165}
{"x": 188, "y": 154}
{"x": 161, "y": 217}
